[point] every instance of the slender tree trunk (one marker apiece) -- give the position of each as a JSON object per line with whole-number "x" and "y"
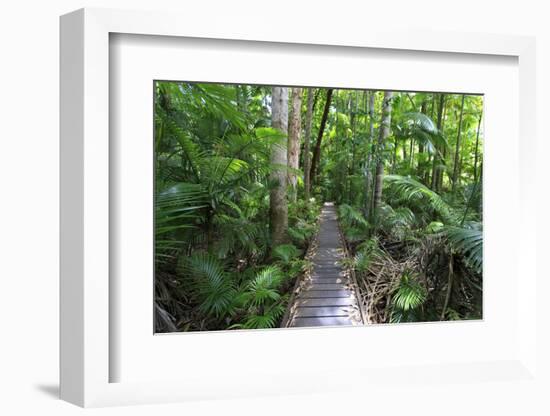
{"x": 241, "y": 97}
{"x": 294, "y": 129}
{"x": 419, "y": 167}
{"x": 385, "y": 126}
{"x": 394, "y": 158}
{"x": 476, "y": 158}
{"x": 450, "y": 280}
{"x": 435, "y": 168}
{"x": 411, "y": 154}
{"x": 444, "y": 159}
{"x": 353, "y": 115}
{"x": 457, "y": 150}
{"x": 368, "y": 173}
{"x": 307, "y": 140}
{"x": 317, "y": 150}
{"x": 278, "y": 208}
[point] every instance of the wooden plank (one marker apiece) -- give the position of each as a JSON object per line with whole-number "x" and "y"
{"x": 325, "y": 286}
{"x": 325, "y": 298}
{"x": 330, "y": 279}
{"x": 313, "y": 312}
{"x": 317, "y": 274}
{"x": 308, "y": 294}
{"x": 325, "y": 321}
{"x": 325, "y": 302}
{"x": 327, "y": 267}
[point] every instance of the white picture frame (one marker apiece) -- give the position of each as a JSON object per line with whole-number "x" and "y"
{"x": 86, "y": 356}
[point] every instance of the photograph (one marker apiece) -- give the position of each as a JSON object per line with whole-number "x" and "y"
{"x": 301, "y": 206}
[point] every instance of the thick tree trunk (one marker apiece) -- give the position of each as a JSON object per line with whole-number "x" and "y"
{"x": 307, "y": 140}
{"x": 278, "y": 207}
{"x": 317, "y": 150}
{"x": 294, "y": 129}
{"x": 385, "y": 126}
{"x": 457, "y": 150}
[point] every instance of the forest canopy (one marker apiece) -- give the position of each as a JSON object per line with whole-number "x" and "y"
{"x": 241, "y": 176}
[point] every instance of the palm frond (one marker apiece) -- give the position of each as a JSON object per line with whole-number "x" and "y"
{"x": 209, "y": 281}
{"x": 469, "y": 242}
{"x": 408, "y": 297}
{"x": 351, "y": 216}
{"x": 416, "y": 192}
{"x": 286, "y": 252}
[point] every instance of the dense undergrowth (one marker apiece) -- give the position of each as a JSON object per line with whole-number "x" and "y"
{"x": 216, "y": 267}
{"x": 240, "y": 177}
{"x": 424, "y": 260}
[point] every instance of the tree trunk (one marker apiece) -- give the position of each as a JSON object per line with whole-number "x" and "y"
{"x": 476, "y": 158}
{"x": 278, "y": 208}
{"x": 368, "y": 178}
{"x": 437, "y": 159}
{"x": 450, "y": 280}
{"x": 457, "y": 150}
{"x": 294, "y": 129}
{"x": 307, "y": 140}
{"x": 317, "y": 150}
{"x": 419, "y": 167}
{"x": 385, "y": 125}
{"x": 353, "y": 116}
{"x": 444, "y": 153}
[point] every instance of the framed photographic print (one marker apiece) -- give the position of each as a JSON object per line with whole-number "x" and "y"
{"x": 239, "y": 211}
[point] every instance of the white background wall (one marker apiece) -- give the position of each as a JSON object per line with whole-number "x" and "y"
{"x": 29, "y": 202}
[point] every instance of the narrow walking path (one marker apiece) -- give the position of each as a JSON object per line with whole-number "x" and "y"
{"x": 325, "y": 297}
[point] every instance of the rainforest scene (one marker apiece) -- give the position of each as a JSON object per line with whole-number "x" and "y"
{"x": 281, "y": 207}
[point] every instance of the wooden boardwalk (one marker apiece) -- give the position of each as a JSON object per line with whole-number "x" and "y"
{"x": 325, "y": 297}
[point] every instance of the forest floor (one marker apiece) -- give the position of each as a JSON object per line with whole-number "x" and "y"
{"x": 325, "y": 295}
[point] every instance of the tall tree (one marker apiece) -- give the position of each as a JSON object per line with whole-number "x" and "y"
{"x": 307, "y": 140}
{"x": 442, "y": 169}
{"x": 457, "y": 149}
{"x": 317, "y": 150}
{"x": 368, "y": 179}
{"x": 354, "y": 102}
{"x": 278, "y": 206}
{"x": 385, "y": 128}
{"x": 294, "y": 130}
{"x": 477, "y": 145}
{"x": 436, "y": 170}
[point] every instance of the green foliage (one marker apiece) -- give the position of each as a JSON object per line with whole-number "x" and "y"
{"x": 396, "y": 222}
{"x": 214, "y": 263}
{"x": 407, "y": 299}
{"x": 469, "y": 242}
{"x": 355, "y": 226}
{"x": 352, "y": 217}
{"x": 262, "y": 300}
{"x": 212, "y": 286}
{"x": 286, "y": 253}
{"x": 365, "y": 252}
{"x": 417, "y": 194}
